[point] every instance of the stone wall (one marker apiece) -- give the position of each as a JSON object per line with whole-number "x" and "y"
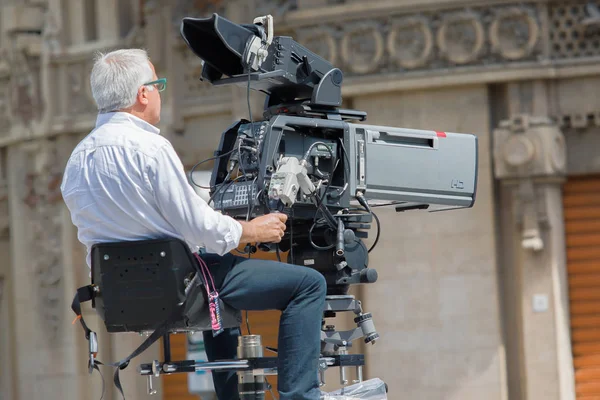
{"x": 436, "y": 302}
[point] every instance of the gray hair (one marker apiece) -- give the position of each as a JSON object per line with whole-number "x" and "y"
{"x": 117, "y": 76}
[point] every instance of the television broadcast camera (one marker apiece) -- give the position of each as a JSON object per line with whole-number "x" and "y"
{"x": 309, "y": 158}
{"x": 319, "y": 163}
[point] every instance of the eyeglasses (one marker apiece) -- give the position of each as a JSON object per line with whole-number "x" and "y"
{"x": 160, "y": 84}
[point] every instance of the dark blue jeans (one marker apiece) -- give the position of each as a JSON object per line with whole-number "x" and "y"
{"x": 299, "y": 292}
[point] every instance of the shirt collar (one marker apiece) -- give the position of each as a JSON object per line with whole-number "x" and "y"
{"x": 125, "y": 118}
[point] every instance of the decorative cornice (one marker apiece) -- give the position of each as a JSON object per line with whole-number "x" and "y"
{"x": 389, "y": 45}
{"x": 305, "y": 12}
{"x": 399, "y": 46}
{"x": 435, "y": 41}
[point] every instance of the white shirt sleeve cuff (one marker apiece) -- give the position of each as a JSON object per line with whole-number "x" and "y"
{"x": 234, "y": 235}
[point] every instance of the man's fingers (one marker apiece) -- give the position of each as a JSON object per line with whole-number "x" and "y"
{"x": 281, "y": 226}
{"x": 282, "y": 217}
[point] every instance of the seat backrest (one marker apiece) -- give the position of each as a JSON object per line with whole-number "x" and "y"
{"x": 140, "y": 282}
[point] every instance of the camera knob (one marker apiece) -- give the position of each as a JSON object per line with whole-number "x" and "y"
{"x": 349, "y": 236}
{"x": 368, "y": 275}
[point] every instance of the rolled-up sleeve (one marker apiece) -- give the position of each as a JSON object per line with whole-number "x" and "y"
{"x": 185, "y": 210}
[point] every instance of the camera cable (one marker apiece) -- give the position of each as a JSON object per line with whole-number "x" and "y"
{"x": 202, "y": 162}
{"x": 365, "y": 204}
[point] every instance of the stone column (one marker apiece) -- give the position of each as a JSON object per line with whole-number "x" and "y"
{"x": 47, "y": 355}
{"x": 48, "y": 264}
{"x": 107, "y": 19}
{"x": 76, "y": 22}
{"x": 530, "y": 162}
{"x": 7, "y": 355}
{"x": 7, "y": 333}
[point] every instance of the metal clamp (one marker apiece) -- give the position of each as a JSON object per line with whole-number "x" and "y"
{"x": 151, "y": 390}
{"x": 93, "y": 351}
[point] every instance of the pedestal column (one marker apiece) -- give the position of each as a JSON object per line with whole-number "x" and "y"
{"x": 530, "y": 162}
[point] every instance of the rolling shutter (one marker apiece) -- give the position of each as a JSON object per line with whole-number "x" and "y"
{"x": 582, "y": 224}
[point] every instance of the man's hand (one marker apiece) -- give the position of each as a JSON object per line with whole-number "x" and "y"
{"x": 268, "y": 228}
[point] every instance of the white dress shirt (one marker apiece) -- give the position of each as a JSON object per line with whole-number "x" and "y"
{"x": 125, "y": 182}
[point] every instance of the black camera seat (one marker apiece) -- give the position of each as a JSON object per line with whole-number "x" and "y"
{"x": 148, "y": 286}
{"x": 139, "y": 285}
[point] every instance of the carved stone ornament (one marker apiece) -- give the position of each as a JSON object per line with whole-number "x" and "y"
{"x": 529, "y": 210}
{"x": 24, "y": 89}
{"x": 80, "y": 93}
{"x": 51, "y": 33}
{"x": 514, "y": 32}
{"x": 42, "y": 197}
{"x": 461, "y": 37}
{"x": 529, "y": 150}
{"x": 320, "y": 41}
{"x": 410, "y": 42}
{"x": 362, "y": 48}
{"x": 526, "y": 147}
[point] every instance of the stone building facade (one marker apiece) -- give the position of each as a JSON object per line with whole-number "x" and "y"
{"x": 493, "y": 302}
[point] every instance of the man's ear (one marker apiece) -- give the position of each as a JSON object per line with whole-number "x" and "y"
{"x": 143, "y": 96}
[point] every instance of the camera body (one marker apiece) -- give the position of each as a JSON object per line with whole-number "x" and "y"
{"x": 324, "y": 173}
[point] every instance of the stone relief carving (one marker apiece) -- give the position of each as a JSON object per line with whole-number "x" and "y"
{"x": 431, "y": 40}
{"x": 320, "y": 41}
{"x": 51, "y": 34}
{"x": 579, "y": 120}
{"x": 529, "y": 150}
{"x": 80, "y": 98}
{"x": 362, "y": 48}
{"x": 25, "y": 92}
{"x": 410, "y": 42}
{"x": 461, "y": 37}
{"x": 42, "y": 197}
{"x": 514, "y": 33}
{"x": 569, "y": 36}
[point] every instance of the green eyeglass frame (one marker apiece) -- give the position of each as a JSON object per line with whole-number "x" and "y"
{"x": 160, "y": 84}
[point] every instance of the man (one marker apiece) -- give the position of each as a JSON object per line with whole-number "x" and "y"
{"x": 125, "y": 182}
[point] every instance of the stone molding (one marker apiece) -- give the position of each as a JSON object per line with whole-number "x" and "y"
{"x": 383, "y": 45}
{"x": 530, "y": 152}
{"x": 438, "y": 41}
